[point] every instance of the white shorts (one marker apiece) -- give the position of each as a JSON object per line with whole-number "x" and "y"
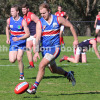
{"x": 32, "y": 38}
{"x": 98, "y": 27}
{"x": 51, "y": 58}
{"x": 62, "y": 28}
{"x": 78, "y": 51}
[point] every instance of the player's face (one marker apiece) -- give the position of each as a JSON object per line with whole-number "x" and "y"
{"x": 24, "y": 11}
{"x": 59, "y": 9}
{"x": 13, "y": 12}
{"x": 99, "y": 13}
{"x": 44, "y": 13}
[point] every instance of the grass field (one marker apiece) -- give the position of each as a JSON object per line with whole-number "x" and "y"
{"x": 52, "y": 87}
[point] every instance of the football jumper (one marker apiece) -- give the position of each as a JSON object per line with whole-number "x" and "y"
{"x": 98, "y": 20}
{"x": 31, "y": 24}
{"x": 60, "y": 14}
{"x": 16, "y": 30}
{"x": 50, "y": 36}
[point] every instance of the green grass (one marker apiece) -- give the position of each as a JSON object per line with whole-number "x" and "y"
{"x": 53, "y": 86}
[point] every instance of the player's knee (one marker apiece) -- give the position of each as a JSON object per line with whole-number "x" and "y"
{"x": 76, "y": 61}
{"x": 12, "y": 60}
{"x": 41, "y": 67}
{"x": 83, "y": 61}
{"x": 19, "y": 59}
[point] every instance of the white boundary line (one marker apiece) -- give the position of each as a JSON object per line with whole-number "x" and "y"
{"x": 57, "y": 64}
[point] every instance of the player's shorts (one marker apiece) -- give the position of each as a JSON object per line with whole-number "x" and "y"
{"x": 32, "y": 38}
{"x": 62, "y": 28}
{"x": 78, "y": 51}
{"x": 98, "y": 27}
{"x": 15, "y": 45}
{"x": 51, "y": 53}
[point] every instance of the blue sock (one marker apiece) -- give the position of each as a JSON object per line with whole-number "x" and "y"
{"x": 21, "y": 74}
{"x": 36, "y": 84}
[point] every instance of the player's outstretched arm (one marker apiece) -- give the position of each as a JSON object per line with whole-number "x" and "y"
{"x": 7, "y": 31}
{"x": 38, "y": 38}
{"x": 93, "y": 42}
{"x": 66, "y": 23}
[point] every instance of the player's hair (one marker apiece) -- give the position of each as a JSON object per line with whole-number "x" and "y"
{"x": 17, "y": 7}
{"x": 44, "y": 5}
{"x": 25, "y": 5}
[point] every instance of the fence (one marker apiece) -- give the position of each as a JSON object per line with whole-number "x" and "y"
{"x": 80, "y": 26}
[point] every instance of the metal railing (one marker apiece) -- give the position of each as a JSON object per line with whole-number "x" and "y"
{"x": 80, "y": 27}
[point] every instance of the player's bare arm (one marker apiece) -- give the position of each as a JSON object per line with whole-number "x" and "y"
{"x": 66, "y": 23}
{"x": 7, "y": 31}
{"x": 38, "y": 38}
{"x": 93, "y": 42}
{"x": 34, "y": 18}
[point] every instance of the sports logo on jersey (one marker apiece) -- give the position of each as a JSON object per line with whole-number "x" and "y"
{"x": 54, "y": 25}
{"x": 11, "y": 26}
{"x": 44, "y": 26}
{"x": 61, "y": 14}
{"x": 28, "y": 20}
{"x": 19, "y": 27}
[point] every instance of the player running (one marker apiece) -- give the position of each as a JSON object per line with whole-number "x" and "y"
{"x": 31, "y": 20}
{"x": 47, "y": 31}
{"x": 17, "y": 26}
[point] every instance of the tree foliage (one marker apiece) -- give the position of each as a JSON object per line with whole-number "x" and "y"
{"x": 77, "y": 10}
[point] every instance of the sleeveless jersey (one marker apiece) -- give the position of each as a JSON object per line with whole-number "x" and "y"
{"x": 31, "y": 24}
{"x": 86, "y": 44}
{"x": 60, "y": 14}
{"x": 98, "y": 20}
{"x": 16, "y": 27}
{"x": 50, "y": 32}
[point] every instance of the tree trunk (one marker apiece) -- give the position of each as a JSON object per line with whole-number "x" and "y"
{"x": 88, "y": 30}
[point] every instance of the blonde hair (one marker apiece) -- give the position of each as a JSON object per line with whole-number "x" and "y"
{"x": 44, "y": 5}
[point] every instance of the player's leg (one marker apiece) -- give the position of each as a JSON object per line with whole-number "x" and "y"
{"x": 40, "y": 75}
{"x": 97, "y": 29}
{"x": 84, "y": 59}
{"x": 75, "y": 59}
{"x": 20, "y": 63}
{"x": 13, "y": 50}
{"x": 29, "y": 44}
{"x": 12, "y": 56}
{"x": 58, "y": 70}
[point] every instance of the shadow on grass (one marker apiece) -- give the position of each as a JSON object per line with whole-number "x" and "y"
{"x": 29, "y": 97}
{"x": 82, "y": 93}
{"x": 48, "y": 77}
{"x": 4, "y": 59}
{"x": 77, "y": 93}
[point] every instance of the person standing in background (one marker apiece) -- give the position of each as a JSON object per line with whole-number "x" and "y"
{"x": 61, "y": 14}
{"x": 97, "y": 23}
{"x": 31, "y": 20}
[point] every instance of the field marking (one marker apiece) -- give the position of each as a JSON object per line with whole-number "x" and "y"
{"x": 8, "y": 65}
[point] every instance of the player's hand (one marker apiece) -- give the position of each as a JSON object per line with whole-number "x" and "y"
{"x": 75, "y": 43}
{"x": 8, "y": 41}
{"x": 34, "y": 36}
{"x": 15, "y": 39}
{"x": 36, "y": 55}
